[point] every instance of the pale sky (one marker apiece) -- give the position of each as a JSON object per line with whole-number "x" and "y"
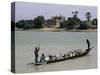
{"x": 27, "y": 10}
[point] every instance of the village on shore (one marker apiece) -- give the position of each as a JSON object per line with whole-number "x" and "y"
{"x": 58, "y": 23}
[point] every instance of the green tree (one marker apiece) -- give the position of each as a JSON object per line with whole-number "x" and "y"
{"x": 83, "y": 25}
{"x": 71, "y": 23}
{"x": 39, "y": 21}
{"x": 94, "y": 21}
{"x": 63, "y": 24}
{"x": 75, "y": 17}
{"x": 20, "y": 23}
{"x": 88, "y": 16}
{"x": 75, "y": 14}
{"x": 25, "y": 24}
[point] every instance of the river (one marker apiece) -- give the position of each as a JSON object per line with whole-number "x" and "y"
{"x": 54, "y": 43}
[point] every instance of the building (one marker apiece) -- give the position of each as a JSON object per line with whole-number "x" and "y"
{"x": 55, "y": 21}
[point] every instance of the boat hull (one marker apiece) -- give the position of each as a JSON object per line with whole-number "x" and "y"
{"x": 59, "y": 60}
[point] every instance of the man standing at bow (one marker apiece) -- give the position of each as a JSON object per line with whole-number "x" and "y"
{"x": 37, "y": 48}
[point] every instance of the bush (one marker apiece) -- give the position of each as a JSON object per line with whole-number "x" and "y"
{"x": 20, "y": 24}
{"x": 71, "y": 22}
{"x": 94, "y": 21}
{"x": 26, "y": 24}
{"x": 84, "y": 25}
{"x": 63, "y": 24}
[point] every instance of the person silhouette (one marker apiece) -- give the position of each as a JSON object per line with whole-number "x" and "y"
{"x": 88, "y": 43}
{"x": 42, "y": 59}
{"x": 37, "y": 48}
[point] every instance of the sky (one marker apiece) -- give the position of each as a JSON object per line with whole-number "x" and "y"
{"x": 28, "y": 10}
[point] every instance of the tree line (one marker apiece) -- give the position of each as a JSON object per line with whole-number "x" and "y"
{"x": 73, "y": 22}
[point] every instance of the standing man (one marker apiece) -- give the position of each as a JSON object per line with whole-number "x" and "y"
{"x": 37, "y": 48}
{"x": 88, "y": 43}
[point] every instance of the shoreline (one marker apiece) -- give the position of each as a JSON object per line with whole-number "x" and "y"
{"x": 56, "y": 30}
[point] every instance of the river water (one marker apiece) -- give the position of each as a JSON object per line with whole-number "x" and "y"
{"x": 54, "y": 43}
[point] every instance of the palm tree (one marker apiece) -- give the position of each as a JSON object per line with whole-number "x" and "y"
{"x": 74, "y": 13}
{"x": 75, "y": 17}
{"x": 88, "y": 16}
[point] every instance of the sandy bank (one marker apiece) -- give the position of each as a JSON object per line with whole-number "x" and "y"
{"x": 56, "y": 30}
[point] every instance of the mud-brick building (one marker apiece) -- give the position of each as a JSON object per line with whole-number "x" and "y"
{"x": 55, "y": 21}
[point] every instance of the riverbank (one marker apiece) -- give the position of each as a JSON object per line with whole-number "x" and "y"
{"x": 56, "y": 30}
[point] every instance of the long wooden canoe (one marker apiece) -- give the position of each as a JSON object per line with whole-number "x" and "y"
{"x": 71, "y": 57}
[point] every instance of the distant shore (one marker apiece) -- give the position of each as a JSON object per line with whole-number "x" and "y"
{"x": 56, "y": 30}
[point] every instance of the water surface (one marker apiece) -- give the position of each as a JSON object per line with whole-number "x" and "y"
{"x": 54, "y": 43}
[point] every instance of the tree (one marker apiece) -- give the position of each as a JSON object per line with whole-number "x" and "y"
{"x": 75, "y": 14}
{"x": 63, "y": 24}
{"x": 71, "y": 23}
{"x": 88, "y": 16}
{"x": 39, "y": 21}
{"x": 83, "y": 25}
{"x": 26, "y": 24}
{"x": 94, "y": 21}
{"x": 20, "y": 23}
{"x": 75, "y": 17}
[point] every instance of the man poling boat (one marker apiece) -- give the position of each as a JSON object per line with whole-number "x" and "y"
{"x": 37, "y": 48}
{"x": 88, "y": 43}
